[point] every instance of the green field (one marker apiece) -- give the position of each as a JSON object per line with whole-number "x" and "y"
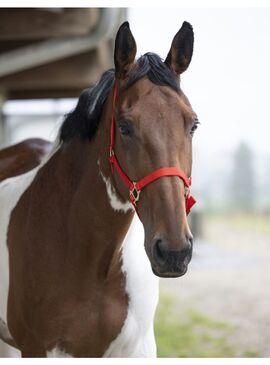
{"x": 189, "y": 333}
{"x": 183, "y": 330}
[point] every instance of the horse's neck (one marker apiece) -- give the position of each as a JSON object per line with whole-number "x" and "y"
{"x": 95, "y": 230}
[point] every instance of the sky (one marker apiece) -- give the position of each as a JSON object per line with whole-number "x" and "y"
{"x": 227, "y": 84}
{"x": 229, "y": 76}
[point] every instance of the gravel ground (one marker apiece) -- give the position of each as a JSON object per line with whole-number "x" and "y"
{"x": 229, "y": 280}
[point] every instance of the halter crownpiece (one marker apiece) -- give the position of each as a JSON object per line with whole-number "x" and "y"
{"x": 135, "y": 187}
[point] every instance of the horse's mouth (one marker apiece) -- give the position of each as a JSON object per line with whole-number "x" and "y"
{"x": 169, "y": 274}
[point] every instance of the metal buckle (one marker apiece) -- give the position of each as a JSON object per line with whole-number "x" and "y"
{"x": 135, "y": 193}
{"x": 111, "y": 152}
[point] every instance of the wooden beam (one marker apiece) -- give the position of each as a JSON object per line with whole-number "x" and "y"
{"x": 6, "y": 46}
{"x": 35, "y": 24}
{"x": 57, "y": 79}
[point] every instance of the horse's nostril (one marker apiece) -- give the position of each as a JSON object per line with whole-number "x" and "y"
{"x": 190, "y": 241}
{"x": 160, "y": 252}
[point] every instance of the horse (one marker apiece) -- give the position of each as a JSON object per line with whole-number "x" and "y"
{"x": 22, "y": 157}
{"x": 80, "y": 269}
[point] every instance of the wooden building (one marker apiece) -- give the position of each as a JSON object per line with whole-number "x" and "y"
{"x": 54, "y": 52}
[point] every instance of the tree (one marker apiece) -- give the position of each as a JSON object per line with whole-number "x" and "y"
{"x": 243, "y": 189}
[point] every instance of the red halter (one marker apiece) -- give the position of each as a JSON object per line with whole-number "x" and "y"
{"x": 135, "y": 187}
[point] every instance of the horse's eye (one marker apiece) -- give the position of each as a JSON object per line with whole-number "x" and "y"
{"x": 125, "y": 128}
{"x": 194, "y": 126}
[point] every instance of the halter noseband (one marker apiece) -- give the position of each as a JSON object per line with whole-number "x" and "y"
{"x": 135, "y": 187}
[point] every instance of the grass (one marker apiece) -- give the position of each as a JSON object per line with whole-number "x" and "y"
{"x": 192, "y": 334}
{"x": 259, "y": 223}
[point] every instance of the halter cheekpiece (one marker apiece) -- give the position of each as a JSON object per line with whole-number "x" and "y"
{"x": 135, "y": 187}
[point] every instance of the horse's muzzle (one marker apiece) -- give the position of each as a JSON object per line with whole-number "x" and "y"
{"x": 170, "y": 263}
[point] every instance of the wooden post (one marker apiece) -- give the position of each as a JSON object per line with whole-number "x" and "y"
{"x": 2, "y": 122}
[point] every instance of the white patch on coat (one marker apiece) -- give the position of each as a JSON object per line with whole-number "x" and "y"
{"x": 115, "y": 202}
{"x": 5, "y": 350}
{"x": 8, "y": 351}
{"x": 5, "y": 334}
{"x": 11, "y": 190}
{"x": 136, "y": 338}
{"x": 56, "y": 352}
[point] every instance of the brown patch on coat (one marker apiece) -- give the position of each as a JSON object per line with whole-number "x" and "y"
{"x": 22, "y": 157}
{"x": 67, "y": 288}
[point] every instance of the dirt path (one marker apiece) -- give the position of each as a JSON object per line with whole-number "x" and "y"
{"x": 229, "y": 280}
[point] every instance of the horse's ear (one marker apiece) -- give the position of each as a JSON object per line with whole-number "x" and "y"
{"x": 124, "y": 51}
{"x": 180, "y": 54}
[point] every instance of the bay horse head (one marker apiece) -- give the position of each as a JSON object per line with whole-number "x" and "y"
{"x": 152, "y": 127}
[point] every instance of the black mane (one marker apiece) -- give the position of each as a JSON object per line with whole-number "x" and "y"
{"x": 83, "y": 121}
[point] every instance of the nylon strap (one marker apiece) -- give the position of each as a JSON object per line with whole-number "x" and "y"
{"x": 135, "y": 187}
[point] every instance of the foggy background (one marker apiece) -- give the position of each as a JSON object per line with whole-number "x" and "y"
{"x": 221, "y": 307}
{"x": 227, "y": 84}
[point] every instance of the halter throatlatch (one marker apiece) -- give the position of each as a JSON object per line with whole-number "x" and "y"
{"x": 135, "y": 187}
